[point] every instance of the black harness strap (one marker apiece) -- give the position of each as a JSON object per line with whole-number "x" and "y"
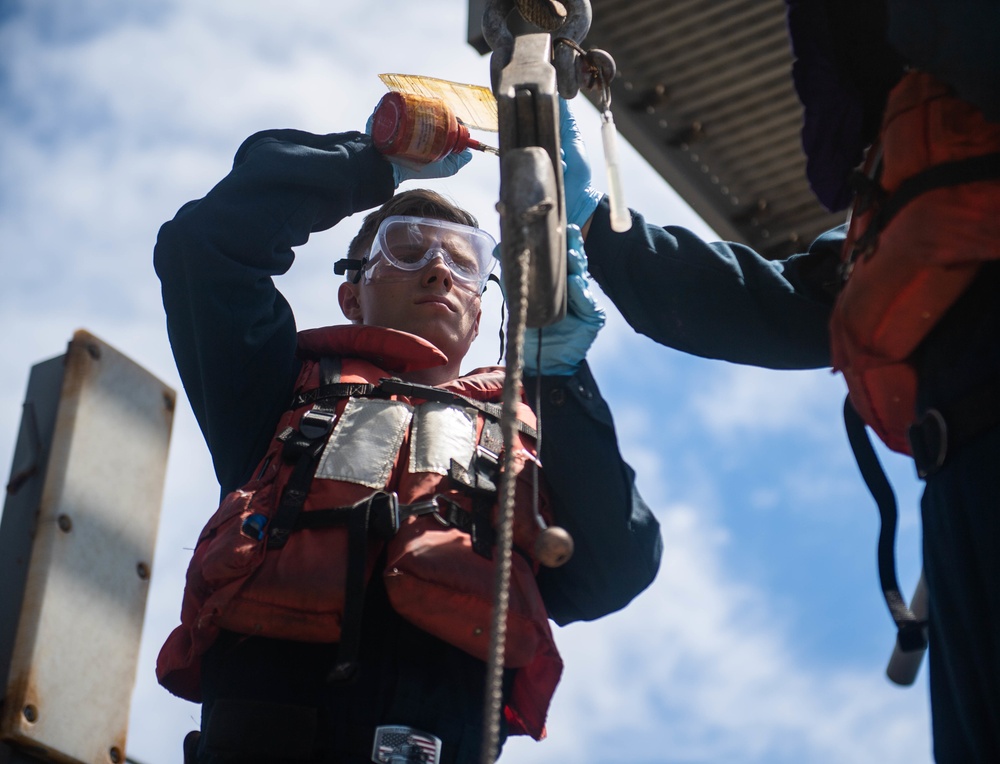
{"x": 484, "y": 486}
{"x": 303, "y": 446}
{"x": 335, "y": 390}
{"x": 354, "y": 593}
{"x": 392, "y": 386}
{"x": 386, "y": 514}
{"x": 911, "y": 629}
{"x": 962, "y": 171}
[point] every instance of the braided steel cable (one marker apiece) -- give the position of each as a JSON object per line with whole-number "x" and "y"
{"x": 517, "y": 319}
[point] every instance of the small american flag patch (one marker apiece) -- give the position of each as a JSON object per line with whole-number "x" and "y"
{"x": 398, "y": 744}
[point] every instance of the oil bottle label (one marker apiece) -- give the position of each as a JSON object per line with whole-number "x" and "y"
{"x": 415, "y": 128}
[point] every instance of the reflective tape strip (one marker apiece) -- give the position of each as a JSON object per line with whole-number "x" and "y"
{"x": 365, "y": 442}
{"x": 442, "y": 432}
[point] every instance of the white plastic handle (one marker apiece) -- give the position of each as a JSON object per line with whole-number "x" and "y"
{"x": 621, "y": 220}
{"x": 903, "y": 666}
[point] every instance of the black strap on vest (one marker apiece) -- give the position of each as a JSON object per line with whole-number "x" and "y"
{"x": 333, "y": 391}
{"x": 393, "y": 386}
{"x": 304, "y": 447}
{"x": 386, "y": 515}
{"x": 480, "y": 481}
{"x": 911, "y": 629}
{"x": 349, "y": 649}
{"x": 970, "y": 170}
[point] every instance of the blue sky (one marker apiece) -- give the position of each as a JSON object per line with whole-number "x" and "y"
{"x": 764, "y": 639}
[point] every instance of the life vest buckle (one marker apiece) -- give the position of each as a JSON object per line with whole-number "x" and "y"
{"x": 316, "y": 424}
{"x": 433, "y": 507}
{"x": 384, "y": 514}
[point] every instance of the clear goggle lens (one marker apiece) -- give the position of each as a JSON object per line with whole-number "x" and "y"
{"x": 406, "y": 244}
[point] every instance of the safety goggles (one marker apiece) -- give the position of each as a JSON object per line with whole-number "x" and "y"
{"x": 405, "y": 245}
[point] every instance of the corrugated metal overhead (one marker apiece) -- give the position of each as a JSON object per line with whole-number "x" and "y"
{"x": 704, "y": 93}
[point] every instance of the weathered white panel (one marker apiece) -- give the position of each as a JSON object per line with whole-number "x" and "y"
{"x": 74, "y": 658}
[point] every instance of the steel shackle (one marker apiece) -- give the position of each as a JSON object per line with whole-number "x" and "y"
{"x": 573, "y": 26}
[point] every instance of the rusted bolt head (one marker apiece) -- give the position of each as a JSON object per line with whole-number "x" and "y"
{"x": 30, "y": 713}
{"x": 115, "y": 754}
{"x": 65, "y": 523}
{"x": 143, "y": 570}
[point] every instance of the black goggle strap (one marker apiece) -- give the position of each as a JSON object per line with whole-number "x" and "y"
{"x": 346, "y": 264}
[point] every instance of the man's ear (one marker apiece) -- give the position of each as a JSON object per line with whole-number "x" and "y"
{"x": 350, "y": 301}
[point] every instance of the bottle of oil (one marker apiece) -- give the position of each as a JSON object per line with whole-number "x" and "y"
{"x": 419, "y": 129}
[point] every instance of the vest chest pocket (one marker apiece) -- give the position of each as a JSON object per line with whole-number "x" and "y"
{"x": 224, "y": 554}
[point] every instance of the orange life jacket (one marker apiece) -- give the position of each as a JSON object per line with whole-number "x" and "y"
{"x": 255, "y": 571}
{"x": 917, "y": 237}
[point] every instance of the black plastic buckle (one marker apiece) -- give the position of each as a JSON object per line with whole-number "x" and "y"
{"x": 384, "y": 516}
{"x": 432, "y": 507}
{"x": 928, "y": 438}
{"x": 316, "y": 424}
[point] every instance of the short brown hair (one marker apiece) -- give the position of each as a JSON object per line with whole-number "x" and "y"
{"x": 419, "y": 202}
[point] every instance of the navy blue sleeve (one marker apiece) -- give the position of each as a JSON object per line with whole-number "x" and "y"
{"x": 617, "y": 542}
{"x": 717, "y": 299}
{"x": 232, "y": 333}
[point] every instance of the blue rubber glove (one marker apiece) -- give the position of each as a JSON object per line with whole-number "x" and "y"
{"x": 565, "y": 343}
{"x": 403, "y": 169}
{"x": 581, "y": 196}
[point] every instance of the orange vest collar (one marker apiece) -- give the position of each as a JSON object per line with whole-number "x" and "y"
{"x": 389, "y": 349}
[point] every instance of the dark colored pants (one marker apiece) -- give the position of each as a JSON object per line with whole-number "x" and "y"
{"x": 961, "y": 522}
{"x": 269, "y": 701}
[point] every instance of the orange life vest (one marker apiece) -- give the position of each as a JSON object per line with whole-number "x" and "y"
{"x": 916, "y": 240}
{"x": 251, "y": 576}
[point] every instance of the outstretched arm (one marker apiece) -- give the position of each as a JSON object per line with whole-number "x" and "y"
{"x": 718, "y": 299}
{"x": 232, "y": 333}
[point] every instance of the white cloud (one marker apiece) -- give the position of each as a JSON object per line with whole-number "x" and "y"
{"x": 703, "y": 668}
{"x": 745, "y": 399}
